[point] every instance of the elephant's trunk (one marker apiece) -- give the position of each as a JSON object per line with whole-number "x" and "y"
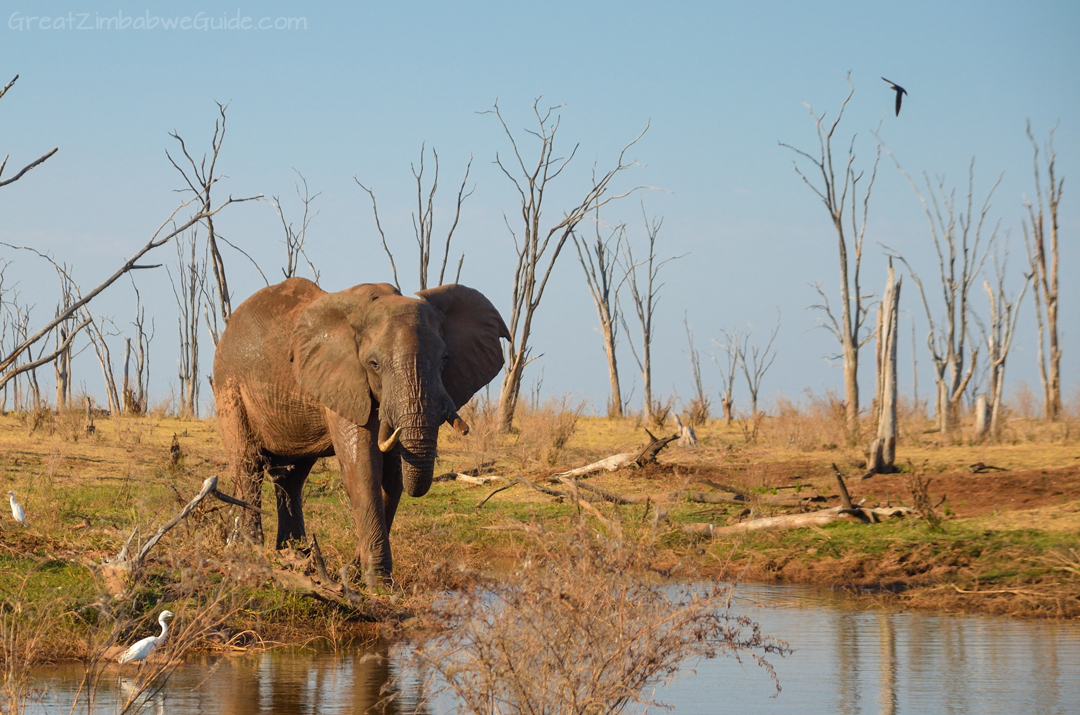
{"x": 417, "y": 445}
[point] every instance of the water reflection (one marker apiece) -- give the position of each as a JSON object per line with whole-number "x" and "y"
{"x": 846, "y": 661}
{"x": 280, "y": 681}
{"x": 862, "y": 662}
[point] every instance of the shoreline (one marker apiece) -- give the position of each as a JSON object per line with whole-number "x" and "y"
{"x": 1009, "y": 542}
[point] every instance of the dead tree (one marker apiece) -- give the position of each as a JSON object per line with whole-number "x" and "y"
{"x": 834, "y": 193}
{"x": 187, "y": 288}
{"x": 424, "y": 222}
{"x": 759, "y": 363}
{"x": 883, "y": 452}
{"x": 732, "y": 348}
{"x": 537, "y": 246}
{"x": 1043, "y": 211}
{"x": 958, "y": 240}
{"x": 598, "y": 261}
{"x": 1003, "y": 316}
{"x": 62, "y": 364}
{"x": 200, "y": 182}
{"x": 135, "y": 391}
{"x": 36, "y": 162}
{"x": 645, "y": 296}
{"x": 10, "y": 362}
{"x": 296, "y": 237}
{"x": 98, "y": 338}
{"x": 698, "y": 410}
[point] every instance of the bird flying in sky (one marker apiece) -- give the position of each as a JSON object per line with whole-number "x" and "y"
{"x": 900, "y": 92}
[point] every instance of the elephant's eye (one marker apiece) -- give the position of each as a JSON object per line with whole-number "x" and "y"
{"x": 374, "y": 364}
{"x": 445, "y": 358}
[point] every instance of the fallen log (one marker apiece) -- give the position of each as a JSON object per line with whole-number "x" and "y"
{"x": 603, "y": 494}
{"x": 770, "y": 499}
{"x": 798, "y": 521}
{"x": 611, "y": 464}
{"x": 470, "y": 479}
{"x": 645, "y": 455}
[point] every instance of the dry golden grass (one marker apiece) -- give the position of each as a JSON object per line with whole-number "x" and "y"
{"x": 84, "y": 494}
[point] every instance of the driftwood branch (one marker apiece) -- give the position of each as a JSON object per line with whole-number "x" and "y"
{"x": 209, "y": 485}
{"x": 645, "y": 455}
{"x": 209, "y": 488}
{"x": 845, "y": 498}
{"x": 6, "y": 361}
{"x": 798, "y": 521}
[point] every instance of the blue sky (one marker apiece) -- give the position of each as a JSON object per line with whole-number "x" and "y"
{"x": 359, "y": 90}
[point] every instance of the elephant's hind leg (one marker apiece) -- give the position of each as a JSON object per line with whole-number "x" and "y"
{"x": 246, "y": 462}
{"x": 288, "y": 476}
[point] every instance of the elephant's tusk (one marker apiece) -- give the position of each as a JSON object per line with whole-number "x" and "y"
{"x": 390, "y": 442}
{"x": 459, "y": 424}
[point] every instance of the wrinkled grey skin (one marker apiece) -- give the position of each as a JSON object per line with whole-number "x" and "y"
{"x": 301, "y": 374}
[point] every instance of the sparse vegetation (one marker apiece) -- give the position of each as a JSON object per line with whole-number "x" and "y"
{"x": 576, "y": 628}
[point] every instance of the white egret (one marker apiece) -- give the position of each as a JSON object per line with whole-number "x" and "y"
{"x": 141, "y": 651}
{"x": 16, "y": 510}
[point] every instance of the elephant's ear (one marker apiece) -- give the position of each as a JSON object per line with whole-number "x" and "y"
{"x": 326, "y": 358}
{"x": 471, "y": 330}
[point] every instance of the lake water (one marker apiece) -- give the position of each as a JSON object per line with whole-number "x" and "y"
{"x": 846, "y": 661}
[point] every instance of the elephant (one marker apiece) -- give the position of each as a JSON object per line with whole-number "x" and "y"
{"x": 366, "y": 374}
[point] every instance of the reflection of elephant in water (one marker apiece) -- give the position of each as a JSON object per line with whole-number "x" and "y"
{"x": 366, "y": 374}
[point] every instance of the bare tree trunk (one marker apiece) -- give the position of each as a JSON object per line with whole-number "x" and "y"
{"x": 1046, "y": 277}
{"x": 733, "y": 348}
{"x": 424, "y": 222}
{"x": 1003, "y": 316}
{"x": 101, "y": 349}
{"x": 883, "y": 452}
{"x": 645, "y": 298}
{"x": 760, "y": 361}
{"x": 62, "y": 368}
{"x": 538, "y": 248}
{"x": 191, "y": 275}
{"x": 698, "y": 410}
{"x": 957, "y": 235}
{"x": 598, "y": 262}
{"x": 296, "y": 238}
{"x": 200, "y": 182}
{"x": 848, "y": 329}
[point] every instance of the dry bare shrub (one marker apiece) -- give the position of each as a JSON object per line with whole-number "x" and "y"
{"x": 575, "y": 630}
{"x": 481, "y": 445}
{"x": 544, "y": 431}
{"x": 920, "y": 496}
{"x": 661, "y": 410}
{"x": 751, "y": 427}
{"x": 912, "y": 419}
{"x": 818, "y": 422}
{"x": 1023, "y": 401}
{"x": 24, "y": 625}
{"x": 697, "y": 412}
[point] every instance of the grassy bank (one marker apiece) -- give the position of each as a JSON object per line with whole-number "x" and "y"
{"x": 1008, "y": 542}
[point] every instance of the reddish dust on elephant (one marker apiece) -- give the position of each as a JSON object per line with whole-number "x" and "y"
{"x": 366, "y": 374}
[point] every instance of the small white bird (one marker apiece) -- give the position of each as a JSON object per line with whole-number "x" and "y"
{"x": 141, "y": 651}
{"x": 16, "y": 510}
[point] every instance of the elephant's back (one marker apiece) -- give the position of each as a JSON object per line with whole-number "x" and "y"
{"x": 256, "y": 342}
{"x": 253, "y": 371}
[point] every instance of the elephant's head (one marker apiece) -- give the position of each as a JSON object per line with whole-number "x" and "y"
{"x": 417, "y": 360}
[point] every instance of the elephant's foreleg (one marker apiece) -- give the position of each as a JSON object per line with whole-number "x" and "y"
{"x": 246, "y": 462}
{"x": 361, "y": 470}
{"x": 289, "y": 477}
{"x": 391, "y": 487}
